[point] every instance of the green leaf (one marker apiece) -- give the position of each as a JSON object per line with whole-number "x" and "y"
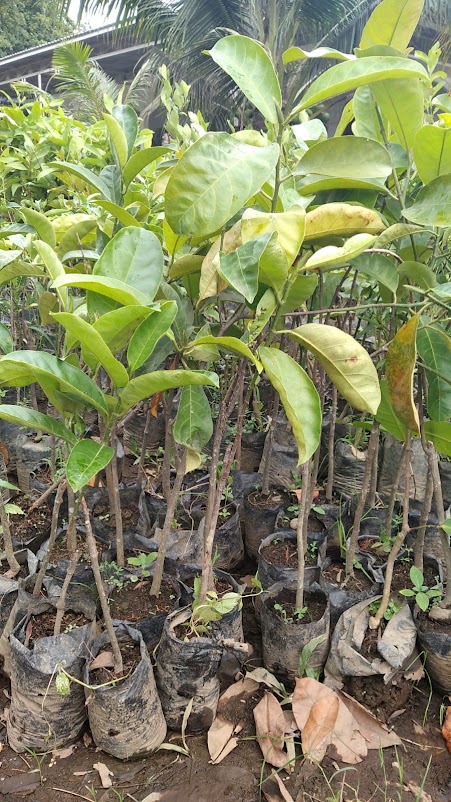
{"x": 440, "y": 435}
{"x": 54, "y": 267}
{"x": 299, "y": 398}
{"x": 8, "y": 486}
{"x": 127, "y": 118}
{"x": 289, "y": 226}
{"x": 109, "y": 287}
{"x": 387, "y": 416}
{"x": 350, "y": 74}
{"x": 434, "y": 348}
{"x": 345, "y": 361}
{"x": 274, "y": 266}
{"x": 116, "y": 327}
{"x": 94, "y": 342}
{"x": 393, "y": 23}
{"x": 432, "y": 152}
{"x": 140, "y": 160}
{"x": 148, "y": 333}
{"x": 17, "y": 270}
{"x": 161, "y": 380}
{"x": 6, "y": 341}
{"x": 118, "y": 139}
{"x": 398, "y": 231}
{"x": 250, "y": 66}
{"x": 48, "y": 302}
{"x": 41, "y": 224}
{"x": 432, "y": 206}
{"x": 331, "y": 256}
{"x": 422, "y": 600}
{"x": 119, "y": 213}
{"x": 25, "y": 367}
{"x": 85, "y": 461}
{"x": 417, "y": 274}
{"x": 85, "y": 175}
{"x": 6, "y": 257}
{"x": 366, "y": 119}
{"x": 240, "y": 267}
{"x": 298, "y": 54}
{"x": 265, "y": 308}
{"x": 348, "y": 157}
{"x": 312, "y": 184}
{"x": 416, "y": 576}
{"x": 213, "y": 180}
{"x": 230, "y": 344}
{"x": 341, "y": 220}
{"x": 299, "y": 291}
{"x": 380, "y": 268}
{"x": 24, "y": 416}
{"x": 401, "y": 102}
{"x": 400, "y": 368}
{"x": 193, "y": 425}
{"x": 133, "y": 257}
{"x": 72, "y": 238}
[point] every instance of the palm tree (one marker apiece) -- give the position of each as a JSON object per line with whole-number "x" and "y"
{"x": 84, "y": 84}
{"x": 180, "y": 30}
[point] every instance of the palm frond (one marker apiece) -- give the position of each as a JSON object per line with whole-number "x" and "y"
{"x": 82, "y": 80}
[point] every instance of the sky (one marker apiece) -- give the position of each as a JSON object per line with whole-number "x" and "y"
{"x": 92, "y": 20}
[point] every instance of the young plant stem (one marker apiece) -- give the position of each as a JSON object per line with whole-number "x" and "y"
{"x": 393, "y": 491}
{"x": 52, "y": 539}
{"x": 331, "y": 445}
{"x": 117, "y": 657}
{"x": 72, "y": 507}
{"x": 6, "y": 531}
{"x": 301, "y": 533}
{"x": 376, "y": 619}
{"x": 169, "y": 517}
{"x": 374, "y": 477}
{"x": 44, "y": 496}
{"x": 142, "y": 459}
{"x": 166, "y": 466}
{"x": 421, "y": 531}
{"x": 115, "y": 500}
{"x": 269, "y": 444}
{"x": 370, "y": 455}
{"x": 61, "y": 603}
{"x": 440, "y": 509}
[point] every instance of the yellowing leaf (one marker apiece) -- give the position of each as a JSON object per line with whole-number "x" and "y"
{"x": 342, "y": 220}
{"x": 400, "y": 368}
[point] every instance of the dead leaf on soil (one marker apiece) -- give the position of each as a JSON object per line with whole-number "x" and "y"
{"x": 244, "y": 687}
{"x": 103, "y": 660}
{"x": 332, "y": 722}
{"x": 218, "y": 736}
{"x": 270, "y": 729}
{"x": 261, "y": 675}
{"x": 446, "y": 729}
{"x": 22, "y": 784}
{"x": 414, "y": 789}
{"x": 275, "y": 791}
{"x": 105, "y": 774}
{"x": 62, "y": 753}
{"x": 87, "y": 740}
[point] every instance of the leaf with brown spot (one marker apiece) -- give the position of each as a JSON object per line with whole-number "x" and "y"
{"x": 270, "y": 728}
{"x": 400, "y": 367}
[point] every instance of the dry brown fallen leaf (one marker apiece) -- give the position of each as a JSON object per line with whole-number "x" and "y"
{"x": 446, "y": 729}
{"x": 62, "y": 753}
{"x": 103, "y": 660}
{"x": 270, "y": 728}
{"x": 275, "y": 791}
{"x": 334, "y": 723}
{"x": 219, "y": 738}
{"x": 105, "y": 774}
{"x": 417, "y": 793}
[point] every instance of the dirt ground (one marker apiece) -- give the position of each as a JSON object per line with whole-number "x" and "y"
{"x": 395, "y": 776}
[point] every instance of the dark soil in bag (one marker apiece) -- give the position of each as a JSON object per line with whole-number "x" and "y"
{"x": 434, "y": 638}
{"x": 126, "y": 719}
{"x": 260, "y": 516}
{"x": 134, "y": 605}
{"x": 284, "y": 635}
{"x": 40, "y": 717}
{"x": 363, "y": 586}
{"x": 231, "y": 624}
{"x": 187, "y": 671}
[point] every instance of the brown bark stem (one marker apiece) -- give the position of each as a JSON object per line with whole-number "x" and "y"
{"x": 61, "y": 603}
{"x": 301, "y": 533}
{"x": 376, "y": 619}
{"x": 421, "y": 531}
{"x": 52, "y": 539}
{"x": 142, "y": 479}
{"x": 393, "y": 492}
{"x": 44, "y": 496}
{"x": 352, "y": 545}
{"x": 117, "y": 657}
{"x": 331, "y": 445}
{"x": 169, "y": 517}
{"x": 72, "y": 506}
{"x": 112, "y": 482}
{"x": 374, "y": 477}
{"x": 269, "y": 444}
